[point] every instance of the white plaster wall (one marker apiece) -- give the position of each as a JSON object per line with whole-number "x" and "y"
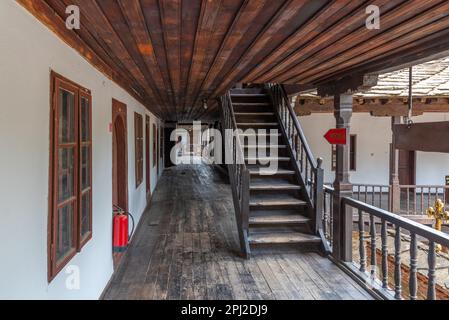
{"x": 28, "y": 51}
{"x": 373, "y": 145}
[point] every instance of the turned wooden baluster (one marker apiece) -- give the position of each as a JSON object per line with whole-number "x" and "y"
{"x": 362, "y": 251}
{"x": 373, "y": 243}
{"x": 413, "y": 286}
{"x": 431, "y": 275}
{"x": 384, "y": 240}
{"x": 397, "y": 265}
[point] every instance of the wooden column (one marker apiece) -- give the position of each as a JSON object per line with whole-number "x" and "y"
{"x": 342, "y": 226}
{"x": 395, "y": 191}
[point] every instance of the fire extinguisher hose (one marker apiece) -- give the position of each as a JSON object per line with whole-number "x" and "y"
{"x": 132, "y": 229}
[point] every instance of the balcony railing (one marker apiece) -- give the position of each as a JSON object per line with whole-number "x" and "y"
{"x": 409, "y": 237}
{"x": 380, "y": 241}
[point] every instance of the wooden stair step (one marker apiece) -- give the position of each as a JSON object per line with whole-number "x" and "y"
{"x": 257, "y": 124}
{"x": 278, "y": 219}
{"x": 257, "y": 171}
{"x": 275, "y": 201}
{"x": 266, "y": 147}
{"x": 251, "y": 104}
{"x": 282, "y": 238}
{"x": 283, "y": 159}
{"x": 254, "y": 113}
{"x": 266, "y": 134}
{"x": 273, "y": 185}
{"x": 241, "y": 94}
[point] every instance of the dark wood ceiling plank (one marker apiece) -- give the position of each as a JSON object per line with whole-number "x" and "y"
{"x": 325, "y": 40}
{"x": 132, "y": 12}
{"x": 347, "y": 60}
{"x": 219, "y": 29}
{"x": 45, "y": 13}
{"x": 275, "y": 31}
{"x": 431, "y": 47}
{"x": 242, "y": 22}
{"x": 322, "y": 20}
{"x": 204, "y": 32}
{"x": 398, "y": 21}
{"x": 95, "y": 19}
{"x": 118, "y": 22}
{"x": 170, "y": 12}
{"x": 191, "y": 11}
{"x": 151, "y": 12}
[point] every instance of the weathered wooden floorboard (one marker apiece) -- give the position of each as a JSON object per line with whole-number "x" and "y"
{"x": 187, "y": 248}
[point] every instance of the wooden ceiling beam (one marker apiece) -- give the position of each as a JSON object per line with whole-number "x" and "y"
{"x": 412, "y": 29}
{"x": 337, "y": 30}
{"x": 113, "y": 13}
{"x": 290, "y": 10}
{"x": 203, "y": 42}
{"x": 170, "y": 13}
{"x": 48, "y": 15}
{"x": 132, "y": 12}
{"x": 312, "y": 28}
{"x": 394, "y": 106}
{"x": 242, "y": 20}
{"x": 360, "y": 39}
{"x": 191, "y": 11}
{"x": 433, "y": 46}
{"x": 95, "y": 19}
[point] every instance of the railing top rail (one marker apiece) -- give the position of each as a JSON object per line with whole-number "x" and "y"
{"x": 424, "y": 186}
{"x": 407, "y": 224}
{"x": 401, "y": 185}
{"x": 296, "y": 124}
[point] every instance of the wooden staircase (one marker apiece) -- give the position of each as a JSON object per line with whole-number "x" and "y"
{"x": 279, "y": 210}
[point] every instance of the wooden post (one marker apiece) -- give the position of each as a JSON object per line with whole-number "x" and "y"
{"x": 342, "y": 226}
{"x": 395, "y": 191}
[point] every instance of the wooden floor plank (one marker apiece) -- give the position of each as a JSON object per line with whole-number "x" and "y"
{"x": 187, "y": 247}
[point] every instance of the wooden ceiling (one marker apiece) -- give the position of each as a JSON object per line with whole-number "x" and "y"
{"x": 174, "y": 54}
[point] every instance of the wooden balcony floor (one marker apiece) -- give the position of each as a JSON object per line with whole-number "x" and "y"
{"x": 186, "y": 248}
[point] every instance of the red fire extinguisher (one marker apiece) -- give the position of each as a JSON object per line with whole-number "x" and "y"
{"x": 121, "y": 236}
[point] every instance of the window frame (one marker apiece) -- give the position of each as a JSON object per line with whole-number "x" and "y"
{"x": 138, "y": 148}
{"x": 58, "y": 82}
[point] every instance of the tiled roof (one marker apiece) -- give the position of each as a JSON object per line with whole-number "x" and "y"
{"x": 430, "y": 79}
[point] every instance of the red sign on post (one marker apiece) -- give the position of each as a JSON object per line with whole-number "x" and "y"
{"x": 336, "y": 136}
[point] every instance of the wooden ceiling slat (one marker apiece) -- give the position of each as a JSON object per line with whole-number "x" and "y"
{"x": 322, "y": 20}
{"x": 204, "y": 31}
{"x": 96, "y": 21}
{"x": 273, "y": 32}
{"x": 170, "y": 12}
{"x": 132, "y": 12}
{"x": 431, "y": 47}
{"x": 118, "y": 22}
{"x": 346, "y": 60}
{"x": 228, "y": 11}
{"x": 326, "y": 40}
{"x": 191, "y": 11}
{"x": 398, "y": 21}
{"x": 171, "y": 54}
{"x": 47, "y": 14}
{"x": 151, "y": 12}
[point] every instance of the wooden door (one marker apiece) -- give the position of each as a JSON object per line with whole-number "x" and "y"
{"x": 119, "y": 155}
{"x": 147, "y": 154}
{"x": 407, "y": 167}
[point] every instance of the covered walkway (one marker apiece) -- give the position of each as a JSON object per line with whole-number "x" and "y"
{"x": 186, "y": 247}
